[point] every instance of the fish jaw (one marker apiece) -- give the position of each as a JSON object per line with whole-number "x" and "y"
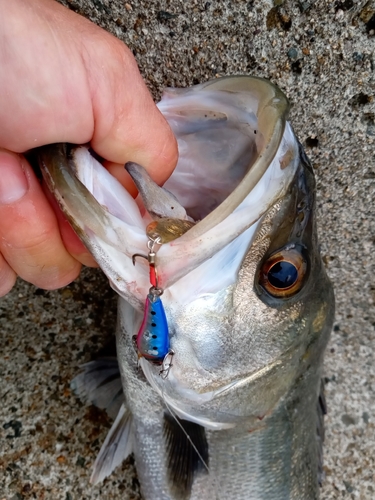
{"x": 248, "y": 97}
{"x": 91, "y": 199}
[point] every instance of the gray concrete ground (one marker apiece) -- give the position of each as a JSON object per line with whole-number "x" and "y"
{"x": 321, "y": 54}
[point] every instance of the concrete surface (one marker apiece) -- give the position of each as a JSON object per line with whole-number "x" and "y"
{"x": 321, "y": 54}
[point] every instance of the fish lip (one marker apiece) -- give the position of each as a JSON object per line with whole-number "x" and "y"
{"x": 235, "y": 384}
{"x": 196, "y": 398}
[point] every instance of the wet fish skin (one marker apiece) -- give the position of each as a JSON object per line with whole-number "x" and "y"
{"x": 247, "y": 365}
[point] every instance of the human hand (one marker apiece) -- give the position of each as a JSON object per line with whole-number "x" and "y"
{"x": 63, "y": 79}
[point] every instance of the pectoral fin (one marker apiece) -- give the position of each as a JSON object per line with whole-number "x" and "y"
{"x": 187, "y": 453}
{"x": 100, "y": 385}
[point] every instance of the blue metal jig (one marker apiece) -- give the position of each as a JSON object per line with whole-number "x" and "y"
{"x": 153, "y": 336}
{"x": 152, "y": 339}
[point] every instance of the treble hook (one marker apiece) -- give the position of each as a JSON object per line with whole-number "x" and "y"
{"x": 167, "y": 364}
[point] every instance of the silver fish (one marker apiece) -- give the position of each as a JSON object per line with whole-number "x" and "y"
{"x": 235, "y": 407}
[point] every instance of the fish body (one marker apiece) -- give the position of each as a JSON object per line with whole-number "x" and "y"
{"x": 237, "y": 409}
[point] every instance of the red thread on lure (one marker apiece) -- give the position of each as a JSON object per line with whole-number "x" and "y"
{"x": 153, "y": 276}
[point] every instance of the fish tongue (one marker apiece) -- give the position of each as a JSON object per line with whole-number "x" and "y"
{"x": 171, "y": 218}
{"x": 158, "y": 201}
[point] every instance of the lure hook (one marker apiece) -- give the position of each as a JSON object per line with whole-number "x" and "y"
{"x": 166, "y": 364}
{"x": 151, "y": 259}
{"x": 139, "y": 255}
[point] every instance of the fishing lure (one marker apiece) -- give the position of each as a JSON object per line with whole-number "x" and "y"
{"x": 153, "y": 336}
{"x": 152, "y": 339}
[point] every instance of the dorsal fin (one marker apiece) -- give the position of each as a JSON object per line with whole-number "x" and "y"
{"x": 186, "y": 446}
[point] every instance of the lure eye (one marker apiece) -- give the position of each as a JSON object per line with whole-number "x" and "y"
{"x": 283, "y": 273}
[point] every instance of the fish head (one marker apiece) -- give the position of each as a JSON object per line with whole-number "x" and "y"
{"x": 246, "y": 297}
{"x": 241, "y": 350}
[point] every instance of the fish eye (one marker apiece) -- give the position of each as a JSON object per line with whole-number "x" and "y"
{"x": 282, "y": 274}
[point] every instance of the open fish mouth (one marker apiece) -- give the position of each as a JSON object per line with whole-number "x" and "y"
{"x": 238, "y": 157}
{"x": 237, "y": 127}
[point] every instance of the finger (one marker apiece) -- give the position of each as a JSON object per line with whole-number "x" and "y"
{"x": 100, "y": 98}
{"x": 30, "y": 239}
{"x": 37, "y": 100}
{"x": 128, "y": 125}
{"x": 71, "y": 241}
{"x": 7, "y": 277}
